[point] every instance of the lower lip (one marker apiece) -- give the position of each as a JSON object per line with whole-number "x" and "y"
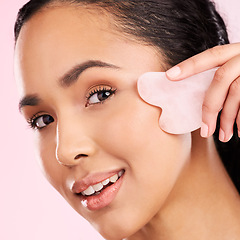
{"x": 103, "y": 199}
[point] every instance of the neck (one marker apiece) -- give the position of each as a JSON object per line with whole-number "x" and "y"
{"x": 203, "y": 204}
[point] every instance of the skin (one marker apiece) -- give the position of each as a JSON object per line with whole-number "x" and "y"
{"x": 162, "y": 188}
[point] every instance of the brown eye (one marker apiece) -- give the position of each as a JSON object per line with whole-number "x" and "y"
{"x": 99, "y": 96}
{"x": 42, "y": 121}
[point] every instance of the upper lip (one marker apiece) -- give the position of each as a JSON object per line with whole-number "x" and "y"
{"x": 92, "y": 179}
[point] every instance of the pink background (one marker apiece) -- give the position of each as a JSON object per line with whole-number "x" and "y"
{"x": 29, "y": 207}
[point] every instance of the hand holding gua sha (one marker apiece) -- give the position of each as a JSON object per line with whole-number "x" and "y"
{"x": 180, "y": 101}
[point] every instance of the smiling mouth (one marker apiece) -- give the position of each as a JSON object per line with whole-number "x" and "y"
{"x": 96, "y": 189}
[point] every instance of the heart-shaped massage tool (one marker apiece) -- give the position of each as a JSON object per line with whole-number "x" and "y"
{"x": 180, "y": 101}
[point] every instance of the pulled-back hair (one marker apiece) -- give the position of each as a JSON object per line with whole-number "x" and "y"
{"x": 179, "y": 29}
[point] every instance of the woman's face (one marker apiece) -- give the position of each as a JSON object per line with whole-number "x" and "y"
{"x": 77, "y": 79}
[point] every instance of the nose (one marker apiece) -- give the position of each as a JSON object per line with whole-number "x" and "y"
{"x": 73, "y": 144}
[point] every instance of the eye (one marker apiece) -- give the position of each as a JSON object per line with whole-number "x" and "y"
{"x": 39, "y": 122}
{"x": 99, "y": 95}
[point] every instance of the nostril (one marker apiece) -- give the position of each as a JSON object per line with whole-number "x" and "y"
{"x": 80, "y": 156}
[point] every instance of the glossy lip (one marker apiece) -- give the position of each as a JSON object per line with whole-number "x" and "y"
{"x": 104, "y": 198}
{"x": 90, "y": 180}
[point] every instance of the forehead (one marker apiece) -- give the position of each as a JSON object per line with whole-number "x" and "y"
{"x": 51, "y": 29}
{"x": 53, "y": 38}
{"x": 56, "y": 39}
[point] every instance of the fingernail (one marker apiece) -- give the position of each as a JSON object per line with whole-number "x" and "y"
{"x": 229, "y": 138}
{"x": 221, "y": 135}
{"x": 204, "y": 130}
{"x": 173, "y": 72}
{"x": 239, "y": 133}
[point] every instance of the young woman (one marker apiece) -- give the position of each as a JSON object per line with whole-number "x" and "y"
{"x": 100, "y": 145}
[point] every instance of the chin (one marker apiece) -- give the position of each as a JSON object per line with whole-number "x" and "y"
{"x": 116, "y": 232}
{"x": 118, "y": 228}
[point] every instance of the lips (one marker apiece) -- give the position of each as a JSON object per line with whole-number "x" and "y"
{"x": 98, "y": 190}
{"x": 98, "y": 187}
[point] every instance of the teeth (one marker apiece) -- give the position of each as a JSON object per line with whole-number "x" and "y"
{"x": 97, "y": 187}
{"x": 114, "y": 178}
{"x": 120, "y": 173}
{"x": 105, "y": 182}
{"x": 89, "y": 191}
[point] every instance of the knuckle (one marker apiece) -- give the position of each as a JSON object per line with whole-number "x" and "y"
{"x": 235, "y": 88}
{"x": 207, "y": 108}
{"x": 220, "y": 74}
{"x": 194, "y": 62}
{"x": 217, "y": 51}
{"x": 227, "y": 117}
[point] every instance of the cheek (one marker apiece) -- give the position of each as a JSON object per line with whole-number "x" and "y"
{"x": 147, "y": 149}
{"x": 126, "y": 123}
{"x": 132, "y": 134}
{"x": 132, "y": 127}
{"x": 153, "y": 159}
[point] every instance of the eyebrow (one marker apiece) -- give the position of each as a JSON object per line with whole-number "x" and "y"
{"x": 67, "y": 80}
{"x": 71, "y": 77}
{"x": 29, "y": 100}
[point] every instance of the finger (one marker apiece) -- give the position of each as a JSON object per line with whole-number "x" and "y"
{"x": 238, "y": 123}
{"x": 206, "y": 60}
{"x": 230, "y": 112}
{"x": 218, "y": 92}
{"x": 208, "y": 122}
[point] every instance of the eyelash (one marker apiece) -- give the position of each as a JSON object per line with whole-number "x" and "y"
{"x": 32, "y": 121}
{"x": 100, "y": 89}
{"x": 34, "y": 124}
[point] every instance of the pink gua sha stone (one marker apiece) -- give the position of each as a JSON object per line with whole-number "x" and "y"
{"x": 180, "y": 101}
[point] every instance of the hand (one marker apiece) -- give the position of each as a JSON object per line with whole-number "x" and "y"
{"x": 224, "y": 91}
